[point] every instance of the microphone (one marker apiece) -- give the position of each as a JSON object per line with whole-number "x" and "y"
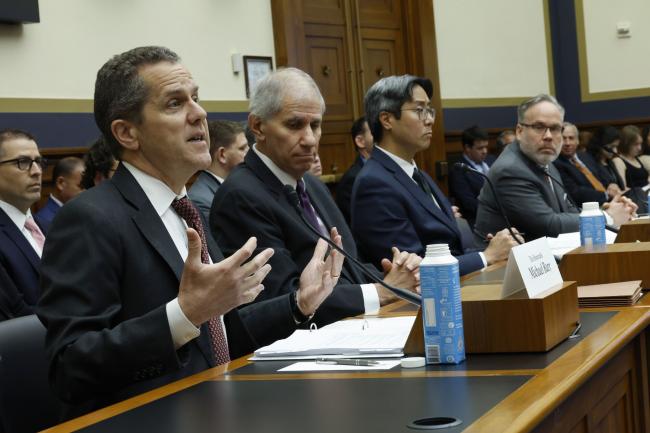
{"x": 466, "y": 167}
{"x": 609, "y": 227}
{"x": 407, "y": 295}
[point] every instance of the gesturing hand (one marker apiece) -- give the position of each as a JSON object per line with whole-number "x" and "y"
{"x": 208, "y": 290}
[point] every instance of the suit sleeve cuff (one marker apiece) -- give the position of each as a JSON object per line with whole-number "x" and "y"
{"x": 183, "y": 331}
{"x": 483, "y": 258}
{"x": 370, "y": 298}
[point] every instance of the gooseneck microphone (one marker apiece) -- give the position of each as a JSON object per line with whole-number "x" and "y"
{"x": 407, "y": 295}
{"x": 609, "y": 227}
{"x": 466, "y": 167}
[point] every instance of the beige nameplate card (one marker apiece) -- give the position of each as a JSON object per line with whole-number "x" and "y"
{"x": 531, "y": 266}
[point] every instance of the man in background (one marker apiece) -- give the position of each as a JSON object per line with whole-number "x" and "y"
{"x": 363, "y": 143}
{"x": 99, "y": 164}
{"x": 464, "y": 185}
{"x": 228, "y": 146}
{"x": 21, "y": 240}
{"x": 66, "y": 178}
{"x": 530, "y": 188}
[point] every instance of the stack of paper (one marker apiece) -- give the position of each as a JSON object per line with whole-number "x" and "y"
{"x": 609, "y": 295}
{"x": 374, "y": 337}
{"x": 566, "y": 242}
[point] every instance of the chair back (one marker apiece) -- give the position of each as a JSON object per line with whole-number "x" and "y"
{"x": 26, "y": 402}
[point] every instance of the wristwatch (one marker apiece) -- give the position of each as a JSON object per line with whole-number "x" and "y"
{"x": 298, "y": 316}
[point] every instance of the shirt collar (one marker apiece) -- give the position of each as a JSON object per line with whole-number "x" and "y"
{"x": 284, "y": 177}
{"x": 408, "y": 167}
{"x": 56, "y": 200}
{"x": 219, "y": 179}
{"x": 159, "y": 194}
{"x": 16, "y": 216}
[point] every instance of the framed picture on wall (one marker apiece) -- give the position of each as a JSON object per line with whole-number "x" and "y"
{"x": 255, "y": 68}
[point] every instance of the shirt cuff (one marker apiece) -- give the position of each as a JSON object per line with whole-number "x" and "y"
{"x": 483, "y": 259}
{"x": 608, "y": 219}
{"x": 370, "y": 298}
{"x": 183, "y": 331}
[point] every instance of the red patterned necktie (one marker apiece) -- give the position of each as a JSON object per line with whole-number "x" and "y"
{"x": 186, "y": 210}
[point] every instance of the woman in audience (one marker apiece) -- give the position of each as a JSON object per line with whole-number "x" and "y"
{"x": 100, "y": 164}
{"x": 598, "y": 157}
{"x": 628, "y": 164}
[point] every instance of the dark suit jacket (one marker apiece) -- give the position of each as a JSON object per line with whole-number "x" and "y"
{"x": 251, "y": 202}
{"x": 109, "y": 268}
{"x": 577, "y": 183}
{"x": 202, "y": 192}
{"x": 605, "y": 174}
{"x": 527, "y": 198}
{"x": 12, "y": 302}
{"x": 46, "y": 214}
{"x": 19, "y": 259}
{"x": 344, "y": 188}
{"x": 464, "y": 187}
{"x": 389, "y": 209}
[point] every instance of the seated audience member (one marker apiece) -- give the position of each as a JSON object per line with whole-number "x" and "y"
{"x": 316, "y": 168}
{"x": 503, "y": 139}
{"x": 363, "y": 143}
{"x": 228, "y": 146}
{"x": 12, "y": 301}
{"x": 66, "y": 178}
{"x": 286, "y": 113}
{"x": 150, "y": 298}
{"x": 464, "y": 186}
{"x": 628, "y": 164}
{"x": 580, "y": 182}
{"x": 645, "y": 136}
{"x": 394, "y": 203}
{"x": 99, "y": 163}
{"x": 529, "y": 186}
{"x": 601, "y": 150}
{"x": 21, "y": 240}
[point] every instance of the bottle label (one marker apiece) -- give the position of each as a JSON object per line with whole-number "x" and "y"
{"x": 442, "y": 314}
{"x": 592, "y": 230}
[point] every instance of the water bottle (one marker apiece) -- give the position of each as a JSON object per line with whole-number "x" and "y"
{"x": 442, "y": 312}
{"x": 592, "y": 225}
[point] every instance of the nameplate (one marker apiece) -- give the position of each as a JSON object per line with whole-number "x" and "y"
{"x": 531, "y": 266}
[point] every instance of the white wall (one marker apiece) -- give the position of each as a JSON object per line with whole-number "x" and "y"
{"x": 612, "y": 63}
{"x": 60, "y": 56}
{"x": 491, "y": 49}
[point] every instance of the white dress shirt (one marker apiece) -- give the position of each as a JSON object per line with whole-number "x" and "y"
{"x": 369, "y": 291}
{"x": 19, "y": 218}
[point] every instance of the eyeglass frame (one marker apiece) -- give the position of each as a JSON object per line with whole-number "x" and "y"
{"x": 42, "y": 162}
{"x": 537, "y": 128}
{"x": 421, "y": 110}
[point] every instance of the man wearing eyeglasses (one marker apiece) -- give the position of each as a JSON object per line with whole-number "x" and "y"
{"x": 529, "y": 186}
{"x": 21, "y": 241}
{"x": 393, "y": 202}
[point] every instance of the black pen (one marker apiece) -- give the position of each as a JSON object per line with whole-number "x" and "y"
{"x": 345, "y": 361}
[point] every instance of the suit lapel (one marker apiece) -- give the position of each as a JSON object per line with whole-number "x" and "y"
{"x": 417, "y": 193}
{"x": 22, "y": 244}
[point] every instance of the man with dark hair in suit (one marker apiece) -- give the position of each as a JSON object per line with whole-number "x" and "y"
{"x": 228, "y": 146}
{"x": 529, "y": 186}
{"x": 394, "y": 203}
{"x": 66, "y": 178}
{"x": 580, "y": 181}
{"x": 135, "y": 295}
{"x": 465, "y": 186}
{"x": 363, "y": 143}
{"x": 286, "y": 112}
{"x": 21, "y": 240}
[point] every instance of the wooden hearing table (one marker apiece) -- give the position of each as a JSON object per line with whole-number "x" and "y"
{"x": 597, "y": 382}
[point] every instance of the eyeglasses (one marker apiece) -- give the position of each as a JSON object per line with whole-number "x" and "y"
{"x": 541, "y": 129}
{"x": 24, "y": 163}
{"x": 423, "y": 112}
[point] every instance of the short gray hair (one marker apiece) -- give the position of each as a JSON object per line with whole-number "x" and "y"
{"x": 389, "y": 94}
{"x": 570, "y": 125}
{"x": 266, "y": 100}
{"x": 529, "y": 103}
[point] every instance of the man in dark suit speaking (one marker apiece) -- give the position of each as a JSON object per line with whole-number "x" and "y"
{"x": 286, "y": 112}
{"x": 529, "y": 186}
{"x": 123, "y": 313}
{"x": 394, "y": 203}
